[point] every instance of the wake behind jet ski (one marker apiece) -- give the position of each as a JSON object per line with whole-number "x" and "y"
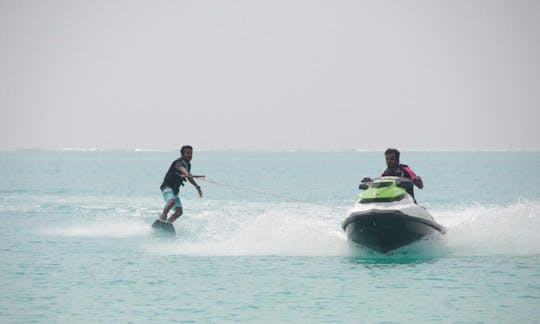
{"x": 386, "y": 216}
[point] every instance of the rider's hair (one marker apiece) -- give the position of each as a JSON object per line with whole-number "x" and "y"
{"x": 392, "y": 151}
{"x": 185, "y": 147}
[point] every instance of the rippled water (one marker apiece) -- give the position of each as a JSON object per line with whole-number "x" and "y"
{"x": 77, "y": 245}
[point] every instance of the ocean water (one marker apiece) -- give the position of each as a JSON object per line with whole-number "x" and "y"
{"x": 265, "y": 242}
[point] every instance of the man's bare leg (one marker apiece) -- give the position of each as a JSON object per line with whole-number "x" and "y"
{"x": 177, "y": 213}
{"x": 166, "y": 210}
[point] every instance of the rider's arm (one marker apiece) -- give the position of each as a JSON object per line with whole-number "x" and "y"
{"x": 415, "y": 179}
{"x": 189, "y": 177}
{"x": 418, "y": 182}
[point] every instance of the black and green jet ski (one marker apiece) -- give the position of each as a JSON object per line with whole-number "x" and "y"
{"x": 386, "y": 217}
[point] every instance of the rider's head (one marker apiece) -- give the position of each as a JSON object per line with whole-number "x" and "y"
{"x": 392, "y": 157}
{"x": 187, "y": 152}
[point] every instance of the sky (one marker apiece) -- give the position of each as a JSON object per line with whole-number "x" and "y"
{"x": 270, "y": 74}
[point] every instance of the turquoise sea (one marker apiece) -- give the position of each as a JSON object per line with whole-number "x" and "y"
{"x": 265, "y": 242}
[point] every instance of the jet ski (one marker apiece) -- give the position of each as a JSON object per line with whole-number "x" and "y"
{"x": 386, "y": 217}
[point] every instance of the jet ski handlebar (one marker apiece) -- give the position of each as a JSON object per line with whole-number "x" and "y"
{"x": 363, "y": 186}
{"x": 404, "y": 183}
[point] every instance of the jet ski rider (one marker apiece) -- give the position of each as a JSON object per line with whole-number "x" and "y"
{"x": 395, "y": 169}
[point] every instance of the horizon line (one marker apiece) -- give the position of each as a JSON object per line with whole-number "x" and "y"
{"x": 82, "y": 149}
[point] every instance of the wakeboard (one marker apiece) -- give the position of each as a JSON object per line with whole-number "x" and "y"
{"x": 163, "y": 228}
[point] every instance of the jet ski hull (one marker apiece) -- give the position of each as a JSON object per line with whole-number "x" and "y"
{"x": 387, "y": 230}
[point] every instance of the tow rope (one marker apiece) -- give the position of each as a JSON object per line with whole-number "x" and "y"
{"x": 203, "y": 178}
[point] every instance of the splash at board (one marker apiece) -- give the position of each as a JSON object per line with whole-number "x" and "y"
{"x": 163, "y": 228}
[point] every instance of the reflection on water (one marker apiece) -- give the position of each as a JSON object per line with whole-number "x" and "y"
{"x": 423, "y": 251}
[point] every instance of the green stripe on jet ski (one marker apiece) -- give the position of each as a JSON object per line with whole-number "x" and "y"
{"x": 383, "y": 190}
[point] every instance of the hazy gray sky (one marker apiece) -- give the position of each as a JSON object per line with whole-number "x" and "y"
{"x": 248, "y": 74}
